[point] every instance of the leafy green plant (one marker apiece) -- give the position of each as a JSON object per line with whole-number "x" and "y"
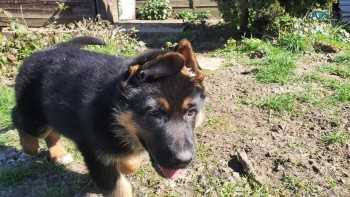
{"x": 293, "y": 43}
{"x": 335, "y": 137}
{"x": 62, "y": 6}
{"x": 193, "y": 17}
{"x": 281, "y": 25}
{"x": 155, "y": 10}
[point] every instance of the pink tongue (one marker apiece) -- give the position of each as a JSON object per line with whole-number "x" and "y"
{"x": 169, "y": 173}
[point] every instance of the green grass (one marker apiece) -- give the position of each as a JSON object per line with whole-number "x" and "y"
{"x": 342, "y": 71}
{"x": 298, "y": 186}
{"x": 7, "y": 102}
{"x": 335, "y": 137}
{"x": 54, "y": 192}
{"x": 281, "y": 102}
{"x": 342, "y": 59}
{"x": 12, "y": 176}
{"x": 341, "y": 89}
{"x": 277, "y": 69}
{"x": 116, "y": 49}
{"x": 294, "y": 43}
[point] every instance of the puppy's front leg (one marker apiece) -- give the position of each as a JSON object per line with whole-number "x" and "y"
{"x": 107, "y": 177}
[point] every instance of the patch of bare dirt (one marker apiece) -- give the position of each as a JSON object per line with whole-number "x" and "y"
{"x": 285, "y": 150}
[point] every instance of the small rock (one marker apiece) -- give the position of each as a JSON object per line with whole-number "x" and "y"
{"x": 269, "y": 154}
{"x": 315, "y": 169}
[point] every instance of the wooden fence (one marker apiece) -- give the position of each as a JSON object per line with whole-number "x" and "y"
{"x": 345, "y": 10}
{"x": 36, "y": 13}
{"x": 190, "y": 5}
{"x": 42, "y": 12}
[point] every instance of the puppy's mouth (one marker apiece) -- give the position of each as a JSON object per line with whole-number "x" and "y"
{"x": 162, "y": 171}
{"x": 165, "y": 172}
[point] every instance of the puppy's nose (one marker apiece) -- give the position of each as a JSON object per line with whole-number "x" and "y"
{"x": 183, "y": 158}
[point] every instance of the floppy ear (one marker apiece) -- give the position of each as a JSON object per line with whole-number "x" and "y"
{"x": 184, "y": 47}
{"x": 164, "y": 65}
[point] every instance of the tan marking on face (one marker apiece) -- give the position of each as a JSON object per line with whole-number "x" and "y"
{"x": 165, "y": 104}
{"x": 186, "y": 103}
{"x": 55, "y": 147}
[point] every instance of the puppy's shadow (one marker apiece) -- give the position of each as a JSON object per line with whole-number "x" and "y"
{"x": 39, "y": 176}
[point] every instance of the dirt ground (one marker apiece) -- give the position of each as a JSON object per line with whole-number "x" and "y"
{"x": 284, "y": 150}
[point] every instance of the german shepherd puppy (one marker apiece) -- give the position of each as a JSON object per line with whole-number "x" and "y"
{"x": 113, "y": 108}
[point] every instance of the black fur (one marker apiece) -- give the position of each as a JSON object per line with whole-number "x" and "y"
{"x": 82, "y": 94}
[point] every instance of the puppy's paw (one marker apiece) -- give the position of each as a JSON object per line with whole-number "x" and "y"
{"x": 64, "y": 160}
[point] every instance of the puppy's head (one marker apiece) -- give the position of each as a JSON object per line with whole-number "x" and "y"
{"x": 164, "y": 101}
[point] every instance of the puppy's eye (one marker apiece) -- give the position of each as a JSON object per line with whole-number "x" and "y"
{"x": 191, "y": 112}
{"x": 155, "y": 113}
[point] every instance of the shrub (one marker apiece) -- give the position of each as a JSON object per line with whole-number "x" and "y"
{"x": 193, "y": 17}
{"x": 155, "y": 10}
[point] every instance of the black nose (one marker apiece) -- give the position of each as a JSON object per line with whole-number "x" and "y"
{"x": 182, "y": 159}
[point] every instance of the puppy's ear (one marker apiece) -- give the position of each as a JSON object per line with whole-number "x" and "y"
{"x": 184, "y": 47}
{"x": 164, "y": 65}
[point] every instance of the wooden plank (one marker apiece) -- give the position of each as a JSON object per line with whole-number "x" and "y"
{"x": 39, "y": 22}
{"x": 345, "y": 9}
{"x": 42, "y": 1}
{"x": 206, "y": 3}
{"x": 48, "y": 14}
{"x": 39, "y": 12}
{"x": 173, "y": 3}
{"x": 47, "y": 5}
{"x": 344, "y": 2}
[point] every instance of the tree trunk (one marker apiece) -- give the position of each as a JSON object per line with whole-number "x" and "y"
{"x": 243, "y": 24}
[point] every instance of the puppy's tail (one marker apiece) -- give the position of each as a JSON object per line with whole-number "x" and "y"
{"x": 78, "y": 42}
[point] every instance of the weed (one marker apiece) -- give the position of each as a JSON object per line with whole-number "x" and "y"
{"x": 193, "y": 17}
{"x": 282, "y": 102}
{"x": 7, "y": 102}
{"x": 251, "y": 188}
{"x": 335, "y": 137}
{"x": 339, "y": 70}
{"x": 341, "y": 89}
{"x": 294, "y": 43}
{"x": 155, "y": 10}
{"x": 332, "y": 182}
{"x": 276, "y": 70}
{"x": 9, "y": 138}
{"x": 343, "y": 59}
{"x": 62, "y": 6}
{"x": 226, "y": 189}
{"x": 298, "y": 186}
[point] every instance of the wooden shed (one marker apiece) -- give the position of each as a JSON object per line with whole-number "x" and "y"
{"x": 41, "y": 12}
{"x": 344, "y": 6}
